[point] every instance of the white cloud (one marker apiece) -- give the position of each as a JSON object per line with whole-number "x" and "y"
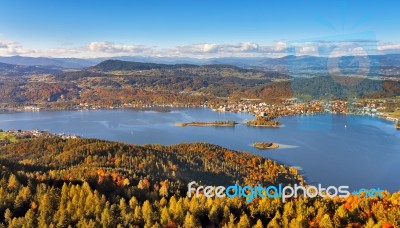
{"x": 110, "y": 47}
{"x": 307, "y": 50}
{"x": 62, "y": 52}
{"x": 197, "y": 48}
{"x": 385, "y": 48}
{"x": 209, "y": 48}
{"x": 280, "y": 46}
{"x": 13, "y": 48}
{"x": 206, "y": 50}
{"x": 244, "y": 49}
{"x": 334, "y": 48}
{"x": 348, "y": 50}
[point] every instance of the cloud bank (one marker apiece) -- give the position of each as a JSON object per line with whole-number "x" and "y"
{"x": 207, "y": 50}
{"x": 13, "y": 48}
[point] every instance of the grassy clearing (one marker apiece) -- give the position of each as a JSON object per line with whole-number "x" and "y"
{"x": 395, "y": 114}
{"x": 4, "y": 135}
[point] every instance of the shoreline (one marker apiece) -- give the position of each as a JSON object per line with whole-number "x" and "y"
{"x": 287, "y": 164}
{"x": 155, "y": 107}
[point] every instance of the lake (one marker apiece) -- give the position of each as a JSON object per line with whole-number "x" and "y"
{"x": 359, "y": 151}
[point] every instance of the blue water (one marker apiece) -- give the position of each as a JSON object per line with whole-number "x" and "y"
{"x": 358, "y": 151}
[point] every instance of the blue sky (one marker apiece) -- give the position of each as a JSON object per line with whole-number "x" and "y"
{"x": 189, "y": 28}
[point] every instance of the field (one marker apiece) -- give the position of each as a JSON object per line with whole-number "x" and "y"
{"x": 395, "y": 114}
{"x": 4, "y": 135}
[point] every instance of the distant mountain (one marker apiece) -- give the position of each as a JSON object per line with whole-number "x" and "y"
{"x": 114, "y": 65}
{"x": 236, "y": 61}
{"x": 6, "y": 67}
{"x": 65, "y": 63}
{"x": 186, "y": 69}
{"x": 17, "y": 70}
{"x": 392, "y": 60}
{"x": 286, "y": 63}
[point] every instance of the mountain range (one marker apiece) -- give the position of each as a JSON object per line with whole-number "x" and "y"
{"x": 392, "y": 60}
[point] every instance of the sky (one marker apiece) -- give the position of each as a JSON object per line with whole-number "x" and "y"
{"x": 198, "y": 29}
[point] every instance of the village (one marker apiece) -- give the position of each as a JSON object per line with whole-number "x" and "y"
{"x": 371, "y": 107}
{"x": 9, "y": 136}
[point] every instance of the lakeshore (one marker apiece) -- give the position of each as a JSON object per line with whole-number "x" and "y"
{"x": 319, "y": 137}
{"x": 382, "y": 108}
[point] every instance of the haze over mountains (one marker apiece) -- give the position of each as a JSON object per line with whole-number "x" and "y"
{"x": 294, "y": 66}
{"x": 74, "y": 63}
{"x": 305, "y": 61}
{"x": 15, "y": 70}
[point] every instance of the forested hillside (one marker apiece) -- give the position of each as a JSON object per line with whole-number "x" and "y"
{"x": 121, "y": 84}
{"x": 94, "y": 183}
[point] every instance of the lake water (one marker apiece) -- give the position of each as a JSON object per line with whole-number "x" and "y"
{"x": 358, "y": 151}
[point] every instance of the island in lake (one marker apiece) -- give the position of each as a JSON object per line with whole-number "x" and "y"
{"x": 265, "y": 145}
{"x": 261, "y": 121}
{"x": 208, "y": 124}
{"x": 397, "y": 126}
